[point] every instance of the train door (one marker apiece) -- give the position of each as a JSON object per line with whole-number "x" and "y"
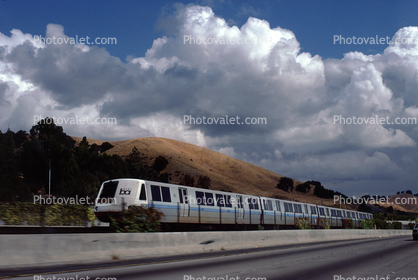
{"x": 240, "y": 207}
{"x": 184, "y": 203}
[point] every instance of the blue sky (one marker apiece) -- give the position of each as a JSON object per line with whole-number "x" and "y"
{"x": 309, "y": 89}
{"x": 135, "y": 23}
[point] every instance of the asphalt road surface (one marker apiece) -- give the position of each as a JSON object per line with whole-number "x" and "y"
{"x": 372, "y": 259}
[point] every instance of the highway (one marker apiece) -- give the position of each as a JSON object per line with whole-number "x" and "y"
{"x": 393, "y": 258}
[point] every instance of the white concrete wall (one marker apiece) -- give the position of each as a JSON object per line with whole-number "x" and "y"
{"x": 48, "y": 249}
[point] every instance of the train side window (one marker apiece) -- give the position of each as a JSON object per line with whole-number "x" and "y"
{"x": 209, "y": 199}
{"x": 321, "y": 211}
{"x": 142, "y": 193}
{"x": 288, "y": 207}
{"x": 313, "y": 210}
{"x": 155, "y": 192}
{"x": 269, "y": 205}
{"x": 251, "y": 203}
{"x": 181, "y": 195}
{"x": 306, "y": 209}
{"x": 200, "y": 198}
{"x": 220, "y": 200}
{"x": 256, "y": 204}
{"x": 278, "y": 206}
{"x": 327, "y": 212}
{"x": 239, "y": 201}
{"x": 228, "y": 201}
{"x": 166, "y": 194}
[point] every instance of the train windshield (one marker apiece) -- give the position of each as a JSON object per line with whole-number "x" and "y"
{"x": 109, "y": 190}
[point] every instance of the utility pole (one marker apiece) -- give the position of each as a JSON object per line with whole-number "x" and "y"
{"x": 49, "y": 192}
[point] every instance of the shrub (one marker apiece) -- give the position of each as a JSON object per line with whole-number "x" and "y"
{"x": 367, "y": 224}
{"x": 20, "y": 213}
{"x": 325, "y": 223}
{"x": 137, "y": 219}
{"x": 302, "y": 223}
{"x": 348, "y": 223}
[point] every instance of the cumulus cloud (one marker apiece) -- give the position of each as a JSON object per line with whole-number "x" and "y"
{"x": 206, "y": 67}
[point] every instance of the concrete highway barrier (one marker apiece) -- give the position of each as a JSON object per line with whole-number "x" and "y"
{"x": 50, "y": 249}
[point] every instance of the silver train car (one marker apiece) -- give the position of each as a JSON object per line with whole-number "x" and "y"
{"x": 191, "y": 208}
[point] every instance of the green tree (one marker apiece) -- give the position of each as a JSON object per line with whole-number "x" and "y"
{"x": 203, "y": 182}
{"x": 187, "y": 180}
{"x": 285, "y": 184}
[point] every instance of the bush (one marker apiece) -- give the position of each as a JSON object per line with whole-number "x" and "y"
{"x": 137, "y": 219}
{"x": 20, "y": 213}
{"x": 325, "y": 223}
{"x": 348, "y": 223}
{"x": 367, "y": 224}
{"x": 302, "y": 223}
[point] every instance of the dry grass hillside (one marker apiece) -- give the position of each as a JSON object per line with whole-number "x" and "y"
{"x": 403, "y": 202}
{"x": 225, "y": 173}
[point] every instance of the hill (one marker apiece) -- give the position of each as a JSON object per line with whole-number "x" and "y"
{"x": 402, "y": 202}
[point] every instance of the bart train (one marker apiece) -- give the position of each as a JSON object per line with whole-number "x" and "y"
{"x": 190, "y": 208}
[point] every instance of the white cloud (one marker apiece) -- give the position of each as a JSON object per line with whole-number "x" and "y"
{"x": 299, "y": 93}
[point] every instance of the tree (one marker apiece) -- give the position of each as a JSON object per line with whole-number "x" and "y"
{"x": 160, "y": 163}
{"x": 11, "y": 186}
{"x": 390, "y": 209}
{"x": 285, "y": 184}
{"x": 304, "y": 188}
{"x": 187, "y": 180}
{"x": 135, "y": 165}
{"x": 203, "y": 182}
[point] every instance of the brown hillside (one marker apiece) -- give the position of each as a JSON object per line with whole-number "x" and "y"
{"x": 226, "y": 173}
{"x": 404, "y": 202}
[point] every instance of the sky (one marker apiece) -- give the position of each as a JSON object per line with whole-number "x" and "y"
{"x": 328, "y": 88}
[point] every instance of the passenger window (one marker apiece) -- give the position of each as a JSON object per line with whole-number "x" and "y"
{"x": 209, "y": 199}
{"x": 251, "y": 203}
{"x": 228, "y": 201}
{"x": 142, "y": 194}
{"x": 166, "y": 194}
{"x": 155, "y": 192}
{"x": 256, "y": 204}
{"x": 278, "y": 206}
{"x": 220, "y": 200}
{"x": 200, "y": 198}
{"x": 181, "y": 195}
{"x": 269, "y": 205}
{"x": 239, "y": 201}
